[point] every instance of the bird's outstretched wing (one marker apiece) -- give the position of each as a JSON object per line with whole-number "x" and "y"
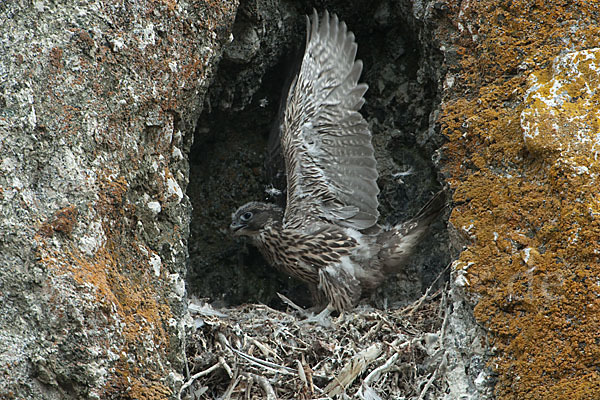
{"x": 326, "y": 143}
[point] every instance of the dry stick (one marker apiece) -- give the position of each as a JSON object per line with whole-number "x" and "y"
{"x": 231, "y": 387}
{"x": 225, "y": 366}
{"x": 266, "y": 350}
{"x": 352, "y": 369}
{"x": 432, "y": 378}
{"x": 265, "y": 385}
{"x": 442, "y": 363}
{"x": 375, "y": 328}
{"x": 416, "y": 305}
{"x": 249, "y": 388}
{"x": 265, "y": 364}
{"x": 198, "y": 375}
{"x": 187, "y": 367}
{"x": 445, "y": 322}
{"x": 376, "y": 374}
{"x": 256, "y": 361}
{"x": 301, "y": 373}
{"x": 292, "y": 304}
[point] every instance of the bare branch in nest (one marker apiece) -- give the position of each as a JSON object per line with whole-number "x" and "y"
{"x": 355, "y": 367}
{"x": 265, "y": 385}
{"x": 231, "y": 388}
{"x": 291, "y": 304}
{"x": 376, "y": 374}
{"x": 430, "y": 381}
{"x": 198, "y": 375}
{"x": 413, "y": 307}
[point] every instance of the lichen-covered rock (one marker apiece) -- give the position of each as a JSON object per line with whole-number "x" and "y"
{"x": 97, "y": 103}
{"x": 562, "y": 113}
{"x": 520, "y": 109}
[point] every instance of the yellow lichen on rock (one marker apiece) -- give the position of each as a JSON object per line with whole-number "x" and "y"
{"x": 562, "y": 111}
{"x": 522, "y": 123}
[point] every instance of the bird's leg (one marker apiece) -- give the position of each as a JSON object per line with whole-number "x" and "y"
{"x": 321, "y": 318}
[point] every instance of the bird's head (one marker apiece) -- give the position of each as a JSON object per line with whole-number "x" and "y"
{"x": 250, "y": 218}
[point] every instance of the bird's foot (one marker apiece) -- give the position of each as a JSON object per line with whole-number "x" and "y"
{"x": 323, "y": 318}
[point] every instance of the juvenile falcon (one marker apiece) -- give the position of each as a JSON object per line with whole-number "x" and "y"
{"x": 328, "y": 235}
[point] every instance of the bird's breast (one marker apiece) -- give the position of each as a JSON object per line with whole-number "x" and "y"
{"x": 301, "y": 254}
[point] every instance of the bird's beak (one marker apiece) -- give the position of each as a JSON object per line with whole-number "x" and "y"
{"x": 236, "y": 228}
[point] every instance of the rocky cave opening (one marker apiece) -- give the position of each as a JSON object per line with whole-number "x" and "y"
{"x": 228, "y": 159}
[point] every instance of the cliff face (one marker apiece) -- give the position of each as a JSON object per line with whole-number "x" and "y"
{"x": 97, "y": 102}
{"x": 520, "y": 110}
{"x": 100, "y": 104}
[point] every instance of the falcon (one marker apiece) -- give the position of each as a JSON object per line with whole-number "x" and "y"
{"x": 328, "y": 235}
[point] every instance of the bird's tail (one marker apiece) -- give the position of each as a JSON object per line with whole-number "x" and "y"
{"x": 399, "y": 242}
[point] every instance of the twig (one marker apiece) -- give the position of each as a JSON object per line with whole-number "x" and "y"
{"x": 413, "y": 307}
{"x": 265, "y": 385}
{"x": 445, "y": 321}
{"x": 266, "y": 350}
{"x": 376, "y": 373}
{"x": 432, "y": 378}
{"x": 187, "y": 367}
{"x": 249, "y": 388}
{"x": 225, "y": 366}
{"x": 266, "y": 364}
{"x": 198, "y": 375}
{"x": 375, "y": 328}
{"x": 231, "y": 387}
{"x": 282, "y": 369}
{"x": 291, "y": 304}
{"x": 301, "y": 373}
{"x": 352, "y": 369}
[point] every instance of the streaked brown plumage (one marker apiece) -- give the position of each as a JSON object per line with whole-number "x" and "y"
{"x": 328, "y": 235}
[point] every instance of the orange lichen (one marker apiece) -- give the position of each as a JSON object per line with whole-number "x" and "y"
{"x": 63, "y": 221}
{"x": 528, "y": 204}
{"x": 56, "y": 57}
{"x": 120, "y": 277}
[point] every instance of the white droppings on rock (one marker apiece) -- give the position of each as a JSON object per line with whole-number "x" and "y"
{"x": 32, "y": 117}
{"x": 147, "y": 35}
{"x": 154, "y": 206}
{"x": 17, "y": 183}
{"x": 178, "y": 285}
{"x": 177, "y": 154}
{"x": 526, "y": 254}
{"x": 174, "y": 189}
{"x": 155, "y": 262}
{"x": 117, "y": 44}
{"x": 92, "y": 241}
{"x": 560, "y": 110}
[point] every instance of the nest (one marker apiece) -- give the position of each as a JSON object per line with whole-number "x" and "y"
{"x": 256, "y": 352}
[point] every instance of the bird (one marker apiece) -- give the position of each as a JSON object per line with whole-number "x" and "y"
{"x": 328, "y": 235}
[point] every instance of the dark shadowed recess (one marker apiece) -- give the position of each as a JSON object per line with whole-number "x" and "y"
{"x": 229, "y": 164}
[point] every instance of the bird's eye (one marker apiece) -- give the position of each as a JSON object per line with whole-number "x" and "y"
{"x": 246, "y": 216}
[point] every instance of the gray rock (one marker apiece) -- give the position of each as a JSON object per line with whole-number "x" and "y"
{"x": 97, "y": 105}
